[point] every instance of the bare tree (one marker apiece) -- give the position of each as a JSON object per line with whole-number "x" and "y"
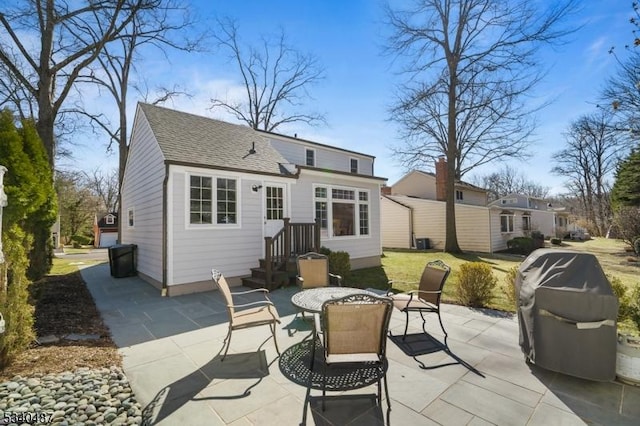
{"x": 470, "y": 64}
{"x": 161, "y": 28}
{"x": 70, "y": 38}
{"x": 77, "y": 204}
{"x": 276, "y": 79}
{"x": 588, "y": 161}
{"x": 509, "y": 181}
{"x": 104, "y": 186}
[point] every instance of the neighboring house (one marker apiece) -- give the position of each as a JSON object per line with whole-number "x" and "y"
{"x": 414, "y": 209}
{"x": 431, "y": 186}
{"x": 200, "y": 193}
{"x": 405, "y": 220}
{"x": 521, "y": 214}
{"x": 105, "y": 230}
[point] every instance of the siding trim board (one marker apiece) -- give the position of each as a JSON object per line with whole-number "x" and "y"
{"x": 284, "y": 174}
{"x": 347, "y": 175}
{"x": 167, "y": 194}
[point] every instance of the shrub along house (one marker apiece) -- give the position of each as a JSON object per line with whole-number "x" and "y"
{"x": 200, "y": 193}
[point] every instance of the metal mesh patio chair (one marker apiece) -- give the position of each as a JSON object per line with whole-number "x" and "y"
{"x": 246, "y": 315}
{"x": 353, "y": 332}
{"x": 313, "y": 271}
{"x": 426, "y": 299}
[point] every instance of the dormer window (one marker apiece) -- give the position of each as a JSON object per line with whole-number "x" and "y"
{"x": 310, "y": 156}
{"x": 354, "y": 165}
{"x": 109, "y": 219}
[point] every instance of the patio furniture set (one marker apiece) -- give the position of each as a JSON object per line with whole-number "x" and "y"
{"x": 347, "y": 347}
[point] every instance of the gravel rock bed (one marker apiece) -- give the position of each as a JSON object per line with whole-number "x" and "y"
{"x": 84, "y": 397}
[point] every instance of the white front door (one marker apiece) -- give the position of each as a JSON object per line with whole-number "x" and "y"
{"x": 274, "y": 208}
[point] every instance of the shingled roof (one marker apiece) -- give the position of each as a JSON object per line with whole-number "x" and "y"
{"x": 191, "y": 139}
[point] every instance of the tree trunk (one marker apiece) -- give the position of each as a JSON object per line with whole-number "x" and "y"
{"x": 451, "y": 236}
{"x": 45, "y": 126}
{"x": 122, "y": 161}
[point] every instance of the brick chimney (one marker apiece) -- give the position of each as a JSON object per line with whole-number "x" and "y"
{"x": 441, "y": 179}
{"x": 385, "y": 190}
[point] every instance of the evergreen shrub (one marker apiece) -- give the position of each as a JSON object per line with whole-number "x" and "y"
{"x": 475, "y": 285}
{"x": 521, "y": 245}
{"x": 339, "y": 262}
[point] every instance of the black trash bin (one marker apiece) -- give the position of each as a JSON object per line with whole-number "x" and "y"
{"x": 122, "y": 260}
{"x": 422, "y": 244}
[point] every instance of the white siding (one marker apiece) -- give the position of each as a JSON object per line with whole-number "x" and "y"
{"x": 396, "y": 224}
{"x": 498, "y": 239}
{"x": 543, "y": 221}
{"x": 423, "y": 185}
{"x": 429, "y": 221}
{"x": 142, "y": 191}
{"x": 326, "y": 158}
{"x": 473, "y": 228}
{"x": 475, "y": 198}
{"x": 303, "y": 210}
{"x": 416, "y": 184}
{"x": 233, "y": 250}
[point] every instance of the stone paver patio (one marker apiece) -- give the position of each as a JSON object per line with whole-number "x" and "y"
{"x": 169, "y": 348}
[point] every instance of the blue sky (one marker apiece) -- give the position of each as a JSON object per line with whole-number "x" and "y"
{"x": 347, "y": 37}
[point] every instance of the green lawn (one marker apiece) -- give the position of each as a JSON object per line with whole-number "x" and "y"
{"x": 405, "y": 268}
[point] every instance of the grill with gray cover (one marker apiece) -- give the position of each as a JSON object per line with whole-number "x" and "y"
{"x": 567, "y": 314}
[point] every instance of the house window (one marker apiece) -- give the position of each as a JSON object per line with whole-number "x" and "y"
{"x": 226, "y": 201}
{"x": 275, "y": 203}
{"x": 506, "y": 222}
{"x": 310, "y": 157}
{"x": 458, "y": 195}
{"x": 321, "y": 209}
{"x": 109, "y": 219}
{"x": 364, "y": 219}
{"x": 202, "y": 202}
{"x": 354, "y": 165}
{"x": 526, "y": 223}
{"x": 347, "y": 210}
{"x": 130, "y": 217}
{"x": 343, "y": 218}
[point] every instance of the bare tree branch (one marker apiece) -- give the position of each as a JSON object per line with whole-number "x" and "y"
{"x": 276, "y": 80}
{"x": 469, "y": 66}
{"x": 593, "y": 149}
{"x": 71, "y": 37}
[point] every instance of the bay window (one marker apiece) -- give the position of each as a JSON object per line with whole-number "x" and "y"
{"x": 342, "y": 211}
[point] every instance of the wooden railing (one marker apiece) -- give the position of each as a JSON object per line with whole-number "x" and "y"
{"x": 293, "y": 239}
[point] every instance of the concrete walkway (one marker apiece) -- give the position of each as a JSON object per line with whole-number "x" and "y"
{"x": 170, "y": 347}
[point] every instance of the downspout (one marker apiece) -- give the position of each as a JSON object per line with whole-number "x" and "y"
{"x": 411, "y": 236}
{"x": 165, "y": 239}
{"x": 490, "y": 232}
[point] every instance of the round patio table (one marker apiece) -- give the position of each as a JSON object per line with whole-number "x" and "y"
{"x": 311, "y": 300}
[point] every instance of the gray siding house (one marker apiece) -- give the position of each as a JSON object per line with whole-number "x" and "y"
{"x": 521, "y": 214}
{"x": 200, "y": 193}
